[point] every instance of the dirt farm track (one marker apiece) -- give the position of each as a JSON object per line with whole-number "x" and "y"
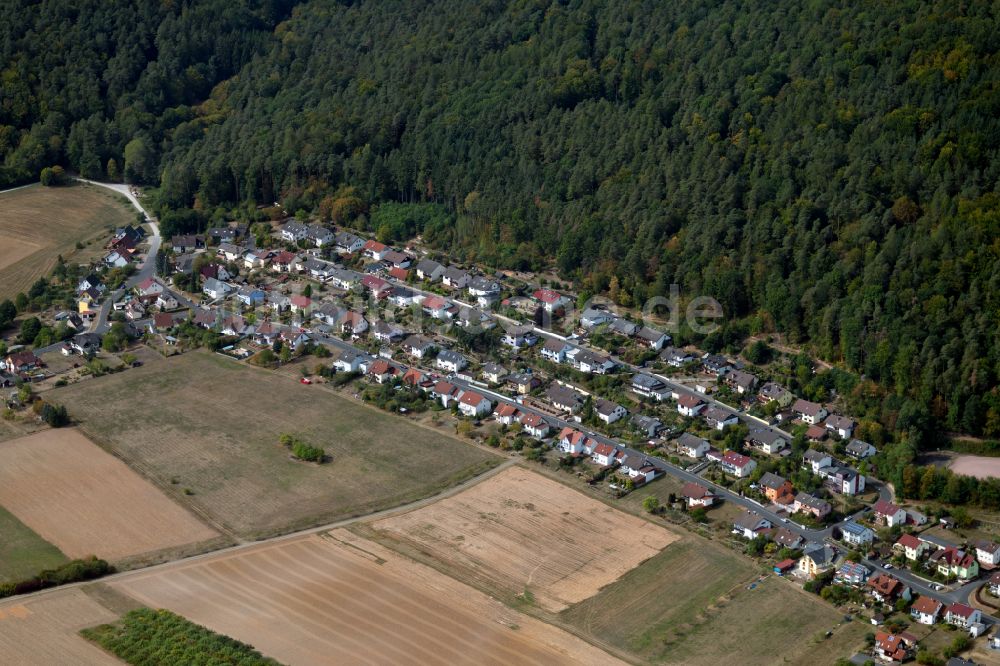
{"x": 86, "y": 502}
{"x": 340, "y": 599}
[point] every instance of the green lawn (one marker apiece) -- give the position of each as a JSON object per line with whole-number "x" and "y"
{"x": 22, "y": 552}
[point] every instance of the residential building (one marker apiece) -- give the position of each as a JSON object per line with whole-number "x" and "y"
{"x": 809, "y": 412}
{"x": 450, "y": 361}
{"x": 551, "y": 300}
{"x": 888, "y": 513}
{"x": 429, "y": 270}
{"x": 815, "y": 506}
{"x": 926, "y": 610}
{"x": 697, "y": 495}
{"x": 692, "y": 446}
{"x": 852, "y": 573}
{"x": 750, "y": 524}
{"x": 484, "y": 290}
{"x": 348, "y": 243}
{"x": 623, "y": 327}
{"x": 571, "y": 440}
{"x": 649, "y": 386}
{"x": 774, "y": 392}
{"x": 766, "y": 440}
{"x": 604, "y": 455}
{"x": 555, "y": 350}
{"x": 860, "y": 450}
{"x": 690, "y": 405}
{"x": 715, "y": 365}
{"x": 650, "y": 337}
{"x": 953, "y": 561}
{"x": 884, "y": 588}
{"x": 474, "y": 405}
{"x": 22, "y": 361}
{"x": 519, "y": 336}
{"x": 494, "y": 373}
{"x": 565, "y": 399}
{"x": 987, "y": 553}
{"x": 912, "y": 548}
{"x": 523, "y": 382}
{"x": 816, "y": 560}
{"x": 215, "y": 289}
{"x": 638, "y": 468}
{"x": 648, "y": 425}
{"x": 535, "y": 425}
{"x": 897, "y": 647}
{"x": 737, "y": 464}
{"x": 841, "y": 426}
{"x": 593, "y": 317}
{"x": 856, "y": 534}
{"x": 776, "y": 488}
{"x": 608, "y": 411}
{"x": 507, "y": 413}
{"x": 719, "y": 418}
{"x": 816, "y": 460}
{"x": 961, "y": 615}
{"x": 418, "y": 346}
{"x": 739, "y": 381}
{"x": 676, "y": 358}
{"x": 455, "y": 277}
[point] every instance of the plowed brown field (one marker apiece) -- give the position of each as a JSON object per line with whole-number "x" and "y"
{"x": 339, "y": 599}
{"x": 86, "y": 502}
{"x": 43, "y": 631}
{"x": 521, "y": 531}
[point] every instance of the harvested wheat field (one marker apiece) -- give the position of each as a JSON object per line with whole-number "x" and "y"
{"x": 340, "y": 599}
{"x": 981, "y": 467}
{"x": 86, "y": 502}
{"x": 37, "y": 224}
{"x": 519, "y": 531}
{"x": 44, "y": 630}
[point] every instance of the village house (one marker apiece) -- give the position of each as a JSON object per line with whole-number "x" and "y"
{"x": 535, "y": 425}
{"x": 857, "y": 535}
{"x": 719, "y": 418}
{"x": 551, "y": 301}
{"x": 353, "y": 323}
{"x": 555, "y": 350}
{"x": 565, "y": 399}
{"x": 676, "y": 358}
{"x": 953, "y": 561}
{"x": 418, "y": 346}
{"x": 604, "y": 455}
{"x": 484, "y": 290}
{"x": 690, "y": 405}
{"x": 608, "y": 411}
{"x": 187, "y": 243}
{"x": 348, "y": 243}
{"x": 519, "y": 336}
{"x": 697, "y": 495}
{"x": 843, "y": 480}
{"x": 994, "y": 584}
{"x": 149, "y": 287}
{"x": 774, "y": 392}
{"x": 474, "y": 405}
{"x": 455, "y": 277}
{"x": 749, "y": 524}
{"x": 22, "y": 361}
{"x": 429, "y": 270}
{"x": 926, "y": 610}
{"x": 437, "y": 307}
{"x": 815, "y": 506}
{"x": 649, "y": 426}
{"x": 737, "y": 464}
{"x": 450, "y": 361}
{"x": 293, "y": 231}
{"x": 765, "y": 440}
{"x": 301, "y": 303}
{"x": 351, "y": 360}
{"x": 889, "y": 514}
{"x": 494, "y": 373}
{"x": 785, "y": 538}
{"x": 860, "y": 450}
{"x": 912, "y": 548}
{"x": 215, "y": 289}
{"x": 896, "y": 647}
{"x": 841, "y": 426}
{"x": 809, "y": 412}
{"x": 523, "y": 382}
{"x": 638, "y": 468}
{"x": 816, "y": 560}
{"x": 623, "y": 327}
{"x": 987, "y": 553}
{"x": 378, "y": 287}
{"x": 445, "y": 392}
{"x": 884, "y": 588}
{"x": 383, "y": 331}
{"x": 574, "y": 442}
{"x": 473, "y": 317}
{"x": 374, "y": 249}
{"x": 651, "y": 338}
{"x": 852, "y": 573}
{"x": 587, "y": 361}
{"x": 739, "y": 381}
{"x": 507, "y": 413}
{"x": 692, "y": 446}
{"x": 649, "y": 386}
{"x": 962, "y": 616}
{"x": 816, "y": 460}
{"x": 593, "y": 317}
{"x": 776, "y": 489}
{"x": 715, "y": 365}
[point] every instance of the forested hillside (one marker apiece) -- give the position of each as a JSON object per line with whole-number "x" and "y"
{"x": 85, "y": 82}
{"x": 825, "y": 169}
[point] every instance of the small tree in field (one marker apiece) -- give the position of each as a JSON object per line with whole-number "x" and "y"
{"x": 651, "y": 504}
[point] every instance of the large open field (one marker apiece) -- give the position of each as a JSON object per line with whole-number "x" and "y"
{"x": 981, "y": 467}
{"x": 339, "y": 599}
{"x": 42, "y": 631}
{"x": 37, "y": 224}
{"x": 86, "y": 502}
{"x": 22, "y": 552}
{"x": 206, "y": 423}
{"x": 692, "y": 605}
{"x": 520, "y": 531}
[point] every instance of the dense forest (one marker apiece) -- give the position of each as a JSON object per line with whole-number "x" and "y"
{"x": 90, "y": 84}
{"x": 827, "y": 170}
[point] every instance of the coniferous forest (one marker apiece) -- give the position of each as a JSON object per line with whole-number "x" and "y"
{"x": 826, "y": 170}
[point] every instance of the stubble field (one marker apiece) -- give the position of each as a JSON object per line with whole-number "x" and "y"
{"x": 86, "y": 502}
{"x": 338, "y": 598}
{"x": 524, "y": 534}
{"x": 208, "y": 424}
{"x": 37, "y": 224}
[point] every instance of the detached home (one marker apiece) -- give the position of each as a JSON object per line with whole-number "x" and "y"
{"x": 809, "y": 412}
{"x": 551, "y": 300}
{"x": 691, "y": 446}
{"x": 926, "y": 610}
{"x": 690, "y": 405}
{"x": 749, "y": 524}
{"x": 697, "y": 495}
{"x": 535, "y": 425}
{"x": 737, "y": 464}
{"x": 473, "y": 404}
{"x": 450, "y": 361}
{"x": 609, "y": 411}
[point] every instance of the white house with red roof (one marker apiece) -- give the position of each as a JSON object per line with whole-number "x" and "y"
{"x": 352, "y": 322}
{"x": 437, "y": 307}
{"x": 690, "y": 405}
{"x": 573, "y": 441}
{"x": 604, "y": 454}
{"x": 507, "y": 413}
{"x": 551, "y": 300}
{"x": 737, "y": 464}
{"x": 149, "y": 287}
{"x": 535, "y": 425}
{"x": 926, "y": 610}
{"x": 894, "y": 647}
{"x": 888, "y": 513}
{"x": 962, "y": 616}
{"x": 374, "y": 249}
{"x": 912, "y": 547}
{"x": 380, "y": 288}
{"x": 474, "y": 405}
{"x": 697, "y": 495}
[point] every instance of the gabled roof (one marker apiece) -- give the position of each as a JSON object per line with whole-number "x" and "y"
{"x": 772, "y": 481}
{"x": 736, "y": 459}
{"x": 471, "y": 398}
{"x": 532, "y": 420}
{"x": 908, "y": 541}
{"x": 885, "y": 508}
{"x": 805, "y": 407}
{"x": 696, "y": 491}
{"x": 689, "y": 401}
{"x": 928, "y": 605}
{"x": 547, "y": 296}
{"x": 960, "y": 610}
